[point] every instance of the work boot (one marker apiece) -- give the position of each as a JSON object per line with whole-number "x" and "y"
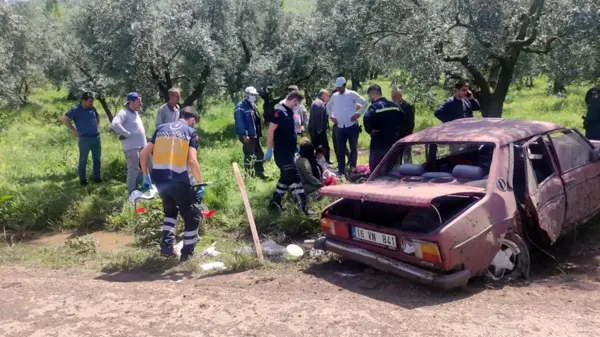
{"x": 185, "y": 257}
{"x": 275, "y": 206}
{"x": 167, "y": 251}
{"x": 262, "y": 176}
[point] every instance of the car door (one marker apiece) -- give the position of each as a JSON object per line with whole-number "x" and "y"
{"x": 580, "y": 174}
{"x": 545, "y": 192}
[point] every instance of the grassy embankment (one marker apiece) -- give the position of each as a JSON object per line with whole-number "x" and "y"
{"x": 38, "y": 159}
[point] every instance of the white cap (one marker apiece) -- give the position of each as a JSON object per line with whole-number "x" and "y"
{"x": 340, "y": 81}
{"x": 251, "y": 91}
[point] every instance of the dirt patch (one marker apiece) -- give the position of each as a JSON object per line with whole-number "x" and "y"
{"x": 107, "y": 241}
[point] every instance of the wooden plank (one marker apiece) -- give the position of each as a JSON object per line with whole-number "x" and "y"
{"x": 240, "y": 181}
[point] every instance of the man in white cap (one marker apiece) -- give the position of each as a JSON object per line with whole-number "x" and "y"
{"x": 248, "y": 126}
{"x": 341, "y": 108}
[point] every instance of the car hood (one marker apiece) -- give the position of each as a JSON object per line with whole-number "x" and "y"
{"x": 398, "y": 193}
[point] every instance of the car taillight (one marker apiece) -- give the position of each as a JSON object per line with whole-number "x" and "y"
{"x": 426, "y": 251}
{"x": 335, "y": 228}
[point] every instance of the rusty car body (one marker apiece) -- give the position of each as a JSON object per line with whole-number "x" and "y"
{"x": 466, "y": 198}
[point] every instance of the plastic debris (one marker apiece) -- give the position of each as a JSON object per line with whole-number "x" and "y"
{"x": 294, "y": 252}
{"x": 213, "y": 266}
{"x": 309, "y": 241}
{"x": 244, "y": 250}
{"x": 210, "y": 251}
{"x": 280, "y": 238}
{"x": 177, "y": 248}
{"x": 315, "y": 253}
{"x": 272, "y": 250}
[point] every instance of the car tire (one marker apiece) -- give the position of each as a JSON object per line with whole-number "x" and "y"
{"x": 513, "y": 251}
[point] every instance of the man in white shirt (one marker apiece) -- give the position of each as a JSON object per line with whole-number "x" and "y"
{"x": 341, "y": 108}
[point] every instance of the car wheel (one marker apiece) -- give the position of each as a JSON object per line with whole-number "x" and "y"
{"x": 512, "y": 260}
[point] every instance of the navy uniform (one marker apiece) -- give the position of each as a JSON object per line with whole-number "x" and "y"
{"x": 383, "y": 121}
{"x": 170, "y": 175}
{"x": 592, "y": 119}
{"x": 284, "y": 151}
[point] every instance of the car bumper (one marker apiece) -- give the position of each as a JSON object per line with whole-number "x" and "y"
{"x": 383, "y": 263}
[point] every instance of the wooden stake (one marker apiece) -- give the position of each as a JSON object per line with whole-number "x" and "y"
{"x": 240, "y": 181}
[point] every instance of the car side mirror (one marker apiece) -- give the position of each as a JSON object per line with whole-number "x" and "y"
{"x": 595, "y": 154}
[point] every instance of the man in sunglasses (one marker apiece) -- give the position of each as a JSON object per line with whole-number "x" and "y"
{"x": 461, "y": 105}
{"x": 86, "y": 130}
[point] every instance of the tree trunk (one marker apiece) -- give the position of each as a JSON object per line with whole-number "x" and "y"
{"x": 558, "y": 88}
{"x": 106, "y": 108}
{"x": 199, "y": 89}
{"x": 355, "y": 83}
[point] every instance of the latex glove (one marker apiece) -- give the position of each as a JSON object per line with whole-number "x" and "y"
{"x": 147, "y": 182}
{"x": 200, "y": 193}
{"x": 269, "y": 154}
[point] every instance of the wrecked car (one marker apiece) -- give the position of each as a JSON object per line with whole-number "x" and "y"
{"x": 466, "y": 198}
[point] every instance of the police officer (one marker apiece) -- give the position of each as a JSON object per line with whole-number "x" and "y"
{"x": 281, "y": 140}
{"x": 591, "y": 121}
{"x": 175, "y": 151}
{"x": 248, "y": 127}
{"x": 383, "y": 121}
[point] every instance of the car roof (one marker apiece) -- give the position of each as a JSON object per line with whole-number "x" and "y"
{"x": 482, "y": 130}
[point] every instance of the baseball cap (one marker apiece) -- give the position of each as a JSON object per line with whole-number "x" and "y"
{"x": 250, "y": 91}
{"x": 87, "y": 95}
{"x": 340, "y": 81}
{"x": 133, "y": 96}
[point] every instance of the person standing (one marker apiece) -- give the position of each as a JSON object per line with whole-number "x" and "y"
{"x": 408, "y": 124}
{"x": 461, "y": 105}
{"x": 591, "y": 122}
{"x": 318, "y": 123}
{"x": 169, "y": 112}
{"x": 341, "y": 108}
{"x": 132, "y": 134}
{"x": 87, "y": 123}
{"x": 282, "y": 141}
{"x": 248, "y": 126}
{"x": 175, "y": 148}
{"x": 384, "y": 122}
{"x": 300, "y": 113}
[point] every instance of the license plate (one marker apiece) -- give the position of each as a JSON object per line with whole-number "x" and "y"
{"x": 374, "y": 237}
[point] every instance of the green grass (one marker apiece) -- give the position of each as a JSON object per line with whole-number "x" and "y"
{"x": 38, "y": 159}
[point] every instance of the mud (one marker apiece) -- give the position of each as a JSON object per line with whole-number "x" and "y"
{"x": 107, "y": 241}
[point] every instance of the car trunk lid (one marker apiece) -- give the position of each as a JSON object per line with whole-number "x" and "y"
{"x": 398, "y": 193}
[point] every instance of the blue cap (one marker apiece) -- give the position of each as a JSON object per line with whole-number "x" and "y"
{"x": 133, "y": 96}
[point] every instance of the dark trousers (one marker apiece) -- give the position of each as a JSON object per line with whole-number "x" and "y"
{"x": 179, "y": 198}
{"x": 343, "y": 136}
{"x": 320, "y": 139}
{"x": 289, "y": 180}
{"x": 87, "y": 144}
{"x": 376, "y": 154}
{"x": 252, "y": 150}
{"x": 592, "y": 131}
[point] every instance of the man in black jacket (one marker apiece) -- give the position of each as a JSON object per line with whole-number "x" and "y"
{"x": 408, "y": 109}
{"x": 591, "y": 121}
{"x": 318, "y": 123}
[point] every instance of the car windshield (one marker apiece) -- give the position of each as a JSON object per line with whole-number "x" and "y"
{"x": 460, "y": 163}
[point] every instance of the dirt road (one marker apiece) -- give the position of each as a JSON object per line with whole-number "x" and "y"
{"x": 326, "y": 300}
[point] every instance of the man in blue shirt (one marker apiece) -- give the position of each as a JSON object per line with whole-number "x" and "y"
{"x": 384, "y": 122}
{"x": 248, "y": 126}
{"x": 461, "y": 105}
{"x": 281, "y": 140}
{"x": 174, "y": 147}
{"x": 86, "y": 130}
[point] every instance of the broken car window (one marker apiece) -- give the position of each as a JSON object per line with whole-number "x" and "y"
{"x": 572, "y": 149}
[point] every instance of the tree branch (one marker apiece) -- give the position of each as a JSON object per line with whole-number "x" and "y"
{"x": 529, "y": 20}
{"x": 482, "y": 41}
{"x": 547, "y": 46}
{"x": 388, "y": 31}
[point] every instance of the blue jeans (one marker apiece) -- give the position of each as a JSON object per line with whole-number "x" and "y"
{"x": 343, "y": 135}
{"x": 87, "y": 144}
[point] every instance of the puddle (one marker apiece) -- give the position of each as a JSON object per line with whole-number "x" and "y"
{"x": 107, "y": 241}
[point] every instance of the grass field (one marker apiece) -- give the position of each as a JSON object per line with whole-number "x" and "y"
{"x": 38, "y": 159}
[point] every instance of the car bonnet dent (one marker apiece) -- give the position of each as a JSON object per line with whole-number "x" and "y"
{"x": 398, "y": 193}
